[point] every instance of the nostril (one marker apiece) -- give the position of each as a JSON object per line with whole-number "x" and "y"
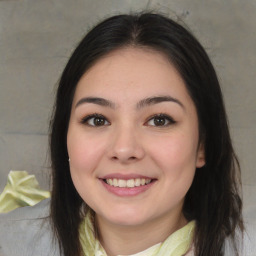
{"x": 116, "y": 158}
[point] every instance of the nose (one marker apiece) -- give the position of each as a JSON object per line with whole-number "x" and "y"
{"x": 126, "y": 146}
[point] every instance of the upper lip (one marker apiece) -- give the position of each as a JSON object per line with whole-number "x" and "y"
{"x": 125, "y": 176}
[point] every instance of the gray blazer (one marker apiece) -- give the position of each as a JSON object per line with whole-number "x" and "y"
{"x": 26, "y": 232}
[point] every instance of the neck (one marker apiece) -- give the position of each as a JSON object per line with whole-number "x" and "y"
{"x": 117, "y": 239}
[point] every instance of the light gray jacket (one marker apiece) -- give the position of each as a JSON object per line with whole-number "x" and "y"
{"x": 26, "y": 232}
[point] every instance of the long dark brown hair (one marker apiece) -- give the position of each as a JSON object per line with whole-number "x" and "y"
{"x": 214, "y": 199}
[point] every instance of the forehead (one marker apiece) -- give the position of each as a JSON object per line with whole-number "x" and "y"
{"x": 133, "y": 73}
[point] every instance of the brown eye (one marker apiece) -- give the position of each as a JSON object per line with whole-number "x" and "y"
{"x": 160, "y": 120}
{"x": 95, "y": 120}
{"x": 98, "y": 121}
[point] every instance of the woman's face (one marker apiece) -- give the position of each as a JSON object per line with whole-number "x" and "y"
{"x": 133, "y": 138}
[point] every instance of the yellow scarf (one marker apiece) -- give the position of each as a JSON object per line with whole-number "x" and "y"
{"x": 177, "y": 244}
{"x": 21, "y": 190}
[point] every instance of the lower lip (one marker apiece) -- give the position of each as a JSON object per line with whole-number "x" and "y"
{"x": 126, "y": 192}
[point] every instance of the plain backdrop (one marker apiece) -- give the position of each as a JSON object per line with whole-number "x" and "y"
{"x": 38, "y": 36}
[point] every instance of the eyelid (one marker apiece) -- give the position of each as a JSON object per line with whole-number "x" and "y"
{"x": 162, "y": 115}
{"x": 170, "y": 120}
{"x": 85, "y": 119}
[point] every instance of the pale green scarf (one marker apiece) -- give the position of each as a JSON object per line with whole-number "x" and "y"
{"x": 21, "y": 190}
{"x": 177, "y": 244}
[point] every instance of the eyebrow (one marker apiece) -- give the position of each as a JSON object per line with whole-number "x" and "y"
{"x": 141, "y": 104}
{"x": 96, "y": 100}
{"x": 157, "y": 99}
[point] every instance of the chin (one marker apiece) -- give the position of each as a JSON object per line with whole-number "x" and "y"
{"x": 131, "y": 221}
{"x": 127, "y": 218}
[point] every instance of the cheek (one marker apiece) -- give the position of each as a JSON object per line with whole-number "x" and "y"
{"x": 176, "y": 151}
{"x": 84, "y": 151}
{"x": 176, "y": 158}
{"x": 177, "y": 162}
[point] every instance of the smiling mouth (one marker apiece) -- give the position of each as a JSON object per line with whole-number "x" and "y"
{"x": 131, "y": 183}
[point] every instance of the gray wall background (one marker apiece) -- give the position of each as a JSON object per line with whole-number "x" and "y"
{"x": 38, "y": 36}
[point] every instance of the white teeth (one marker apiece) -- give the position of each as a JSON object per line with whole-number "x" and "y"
{"x": 115, "y": 183}
{"x": 148, "y": 181}
{"x": 131, "y": 183}
{"x": 137, "y": 182}
{"x": 122, "y": 183}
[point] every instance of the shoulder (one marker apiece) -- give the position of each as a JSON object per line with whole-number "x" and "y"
{"x": 249, "y": 239}
{"x": 249, "y": 213}
{"x": 26, "y": 231}
{"x": 246, "y": 243}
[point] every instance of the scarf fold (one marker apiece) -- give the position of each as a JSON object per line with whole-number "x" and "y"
{"x": 177, "y": 244}
{"x": 21, "y": 190}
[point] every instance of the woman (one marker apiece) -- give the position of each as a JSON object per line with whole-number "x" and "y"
{"x": 141, "y": 154}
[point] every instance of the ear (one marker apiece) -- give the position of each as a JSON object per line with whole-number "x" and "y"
{"x": 200, "y": 161}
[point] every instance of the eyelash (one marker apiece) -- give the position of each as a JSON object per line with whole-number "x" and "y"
{"x": 167, "y": 118}
{"x": 86, "y": 119}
